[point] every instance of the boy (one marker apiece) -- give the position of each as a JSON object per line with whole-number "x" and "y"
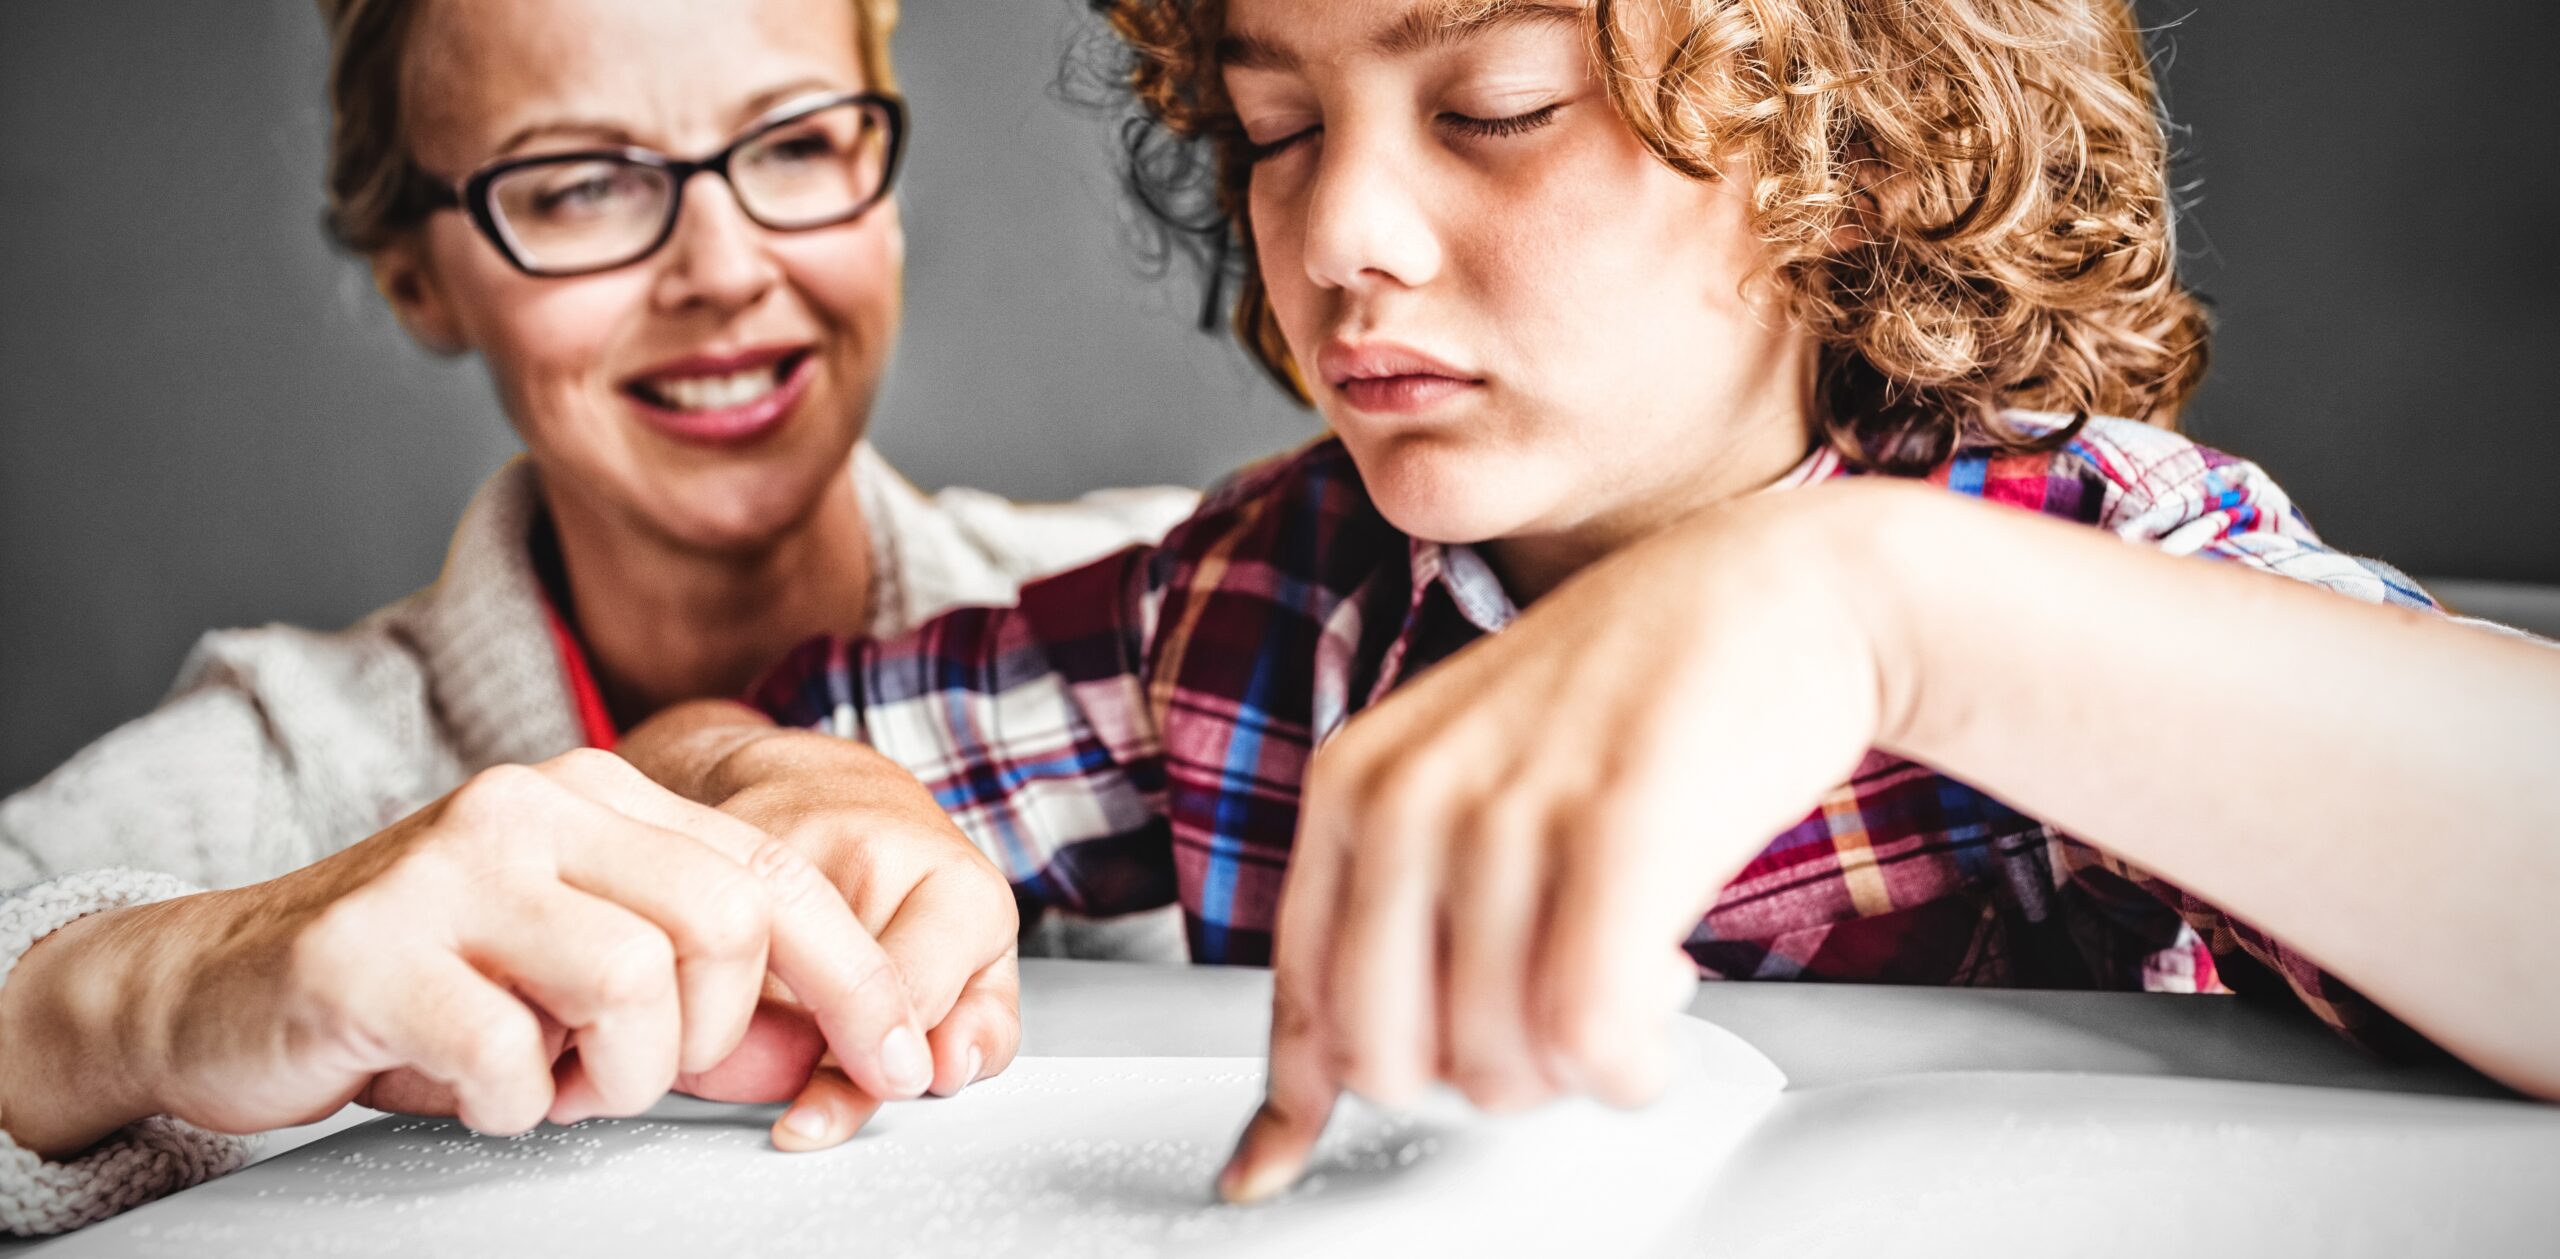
{"x": 1729, "y": 341}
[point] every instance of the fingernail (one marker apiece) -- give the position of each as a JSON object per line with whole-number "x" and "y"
{"x": 1244, "y": 1184}
{"x": 905, "y": 1061}
{"x": 1227, "y": 1178}
{"x": 968, "y": 1073}
{"x": 808, "y": 1121}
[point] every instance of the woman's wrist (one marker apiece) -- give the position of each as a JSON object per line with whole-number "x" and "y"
{"x": 85, "y": 1013}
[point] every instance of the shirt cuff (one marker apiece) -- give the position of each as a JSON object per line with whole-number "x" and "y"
{"x": 146, "y": 1160}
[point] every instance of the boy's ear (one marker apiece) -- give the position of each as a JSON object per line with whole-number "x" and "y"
{"x": 406, "y": 280}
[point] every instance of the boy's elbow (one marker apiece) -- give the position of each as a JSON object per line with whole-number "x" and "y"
{"x": 2515, "y": 1058}
{"x": 2538, "y": 1080}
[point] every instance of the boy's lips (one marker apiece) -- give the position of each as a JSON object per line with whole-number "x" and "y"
{"x": 1383, "y": 376}
{"x": 723, "y": 398}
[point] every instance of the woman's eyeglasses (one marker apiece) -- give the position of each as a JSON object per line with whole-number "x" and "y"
{"x": 813, "y": 164}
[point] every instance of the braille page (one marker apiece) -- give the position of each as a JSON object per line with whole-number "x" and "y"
{"x": 1057, "y": 1156}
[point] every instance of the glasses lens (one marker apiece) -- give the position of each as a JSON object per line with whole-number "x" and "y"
{"x": 818, "y": 168}
{"x": 580, "y": 214}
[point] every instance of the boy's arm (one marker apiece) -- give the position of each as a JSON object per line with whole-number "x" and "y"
{"x": 1492, "y": 864}
{"x": 1029, "y": 725}
{"x": 2368, "y": 784}
{"x": 2170, "y": 495}
{"x": 941, "y": 913}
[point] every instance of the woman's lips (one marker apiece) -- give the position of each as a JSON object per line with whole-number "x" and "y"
{"x": 731, "y": 408}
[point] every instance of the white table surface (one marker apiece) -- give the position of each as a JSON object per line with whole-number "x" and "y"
{"x": 2096, "y": 1104}
{"x": 1819, "y": 1034}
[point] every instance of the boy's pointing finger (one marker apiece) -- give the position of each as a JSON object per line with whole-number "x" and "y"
{"x": 1297, "y": 1100}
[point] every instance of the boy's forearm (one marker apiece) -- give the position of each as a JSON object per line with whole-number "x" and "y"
{"x": 709, "y": 751}
{"x": 733, "y": 758}
{"x": 690, "y": 749}
{"x": 2219, "y": 726}
{"x": 2292, "y": 756}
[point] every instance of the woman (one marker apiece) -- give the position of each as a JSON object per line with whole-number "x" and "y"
{"x": 1715, "y": 568}
{"x": 690, "y": 363}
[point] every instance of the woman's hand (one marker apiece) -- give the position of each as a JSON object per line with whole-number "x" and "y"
{"x": 944, "y": 916}
{"x": 572, "y": 906}
{"x": 1495, "y": 867}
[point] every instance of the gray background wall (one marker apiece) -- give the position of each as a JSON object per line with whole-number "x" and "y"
{"x": 206, "y": 418}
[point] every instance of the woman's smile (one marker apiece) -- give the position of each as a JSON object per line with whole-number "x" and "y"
{"x": 723, "y": 399}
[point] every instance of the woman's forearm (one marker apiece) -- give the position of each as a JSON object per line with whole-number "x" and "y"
{"x": 78, "y": 1030}
{"x": 2370, "y": 784}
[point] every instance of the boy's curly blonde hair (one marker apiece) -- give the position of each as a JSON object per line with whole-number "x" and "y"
{"x": 1966, "y": 201}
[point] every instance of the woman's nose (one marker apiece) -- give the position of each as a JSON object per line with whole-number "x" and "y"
{"x": 718, "y": 256}
{"x": 1368, "y": 218}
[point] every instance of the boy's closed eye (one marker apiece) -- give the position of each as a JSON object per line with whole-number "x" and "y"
{"x": 1483, "y": 84}
{"x": 1503, "y": 125}
{"x": 1464, "y": 126}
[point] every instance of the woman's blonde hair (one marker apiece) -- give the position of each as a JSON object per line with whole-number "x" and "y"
{"x": 1966, "y": 202}
{"x": 375, "y": 188}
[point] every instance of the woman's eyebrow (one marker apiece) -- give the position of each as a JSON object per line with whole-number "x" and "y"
{"x": 607, "y": 131}
{"x": 592, "y": 129}
{"x": 775, "y": 98}
{"x": 1430, "y": 24}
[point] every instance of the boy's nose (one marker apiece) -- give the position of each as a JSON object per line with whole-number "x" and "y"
{"x": 1367, "y": 219}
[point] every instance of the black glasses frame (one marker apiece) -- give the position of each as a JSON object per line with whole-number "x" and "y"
{"x": 471, "y": 193}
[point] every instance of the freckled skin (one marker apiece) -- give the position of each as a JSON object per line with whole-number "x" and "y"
{"x": 1559, "y": 262}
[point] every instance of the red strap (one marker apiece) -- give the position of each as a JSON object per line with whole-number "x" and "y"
{"x": 593, "y": 717}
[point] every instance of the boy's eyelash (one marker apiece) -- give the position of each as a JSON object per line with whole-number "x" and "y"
{"x": 1511, "y": 126}
{"x": 1487, "y": 128}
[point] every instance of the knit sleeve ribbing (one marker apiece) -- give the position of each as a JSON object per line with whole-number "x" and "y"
{"x": 157, "y": 1156}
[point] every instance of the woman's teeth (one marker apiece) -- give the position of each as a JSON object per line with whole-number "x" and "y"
{"x": 714, "y": 393}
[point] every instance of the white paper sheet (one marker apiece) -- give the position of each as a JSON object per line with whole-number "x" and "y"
{"x": 1058, "y": 1156}
{"x": 1959, "y": 1166}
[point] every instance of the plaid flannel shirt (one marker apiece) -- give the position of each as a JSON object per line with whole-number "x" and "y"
{"x": 1138, "y": 731}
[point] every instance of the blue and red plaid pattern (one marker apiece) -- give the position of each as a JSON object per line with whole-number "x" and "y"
{"x": 1137, "y": 732}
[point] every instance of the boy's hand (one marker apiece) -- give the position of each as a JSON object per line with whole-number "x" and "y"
{"x": 1495, "y": 867}
{"x": 942, "y": 913}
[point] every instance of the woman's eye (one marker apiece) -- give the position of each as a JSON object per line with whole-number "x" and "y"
{"x": 592, "y": 190}
{"x": 1256, "y": 154}
{"x": 807, "y": 147}
{"x": 584, "y": 192}
{"x": 1515, "y": 124}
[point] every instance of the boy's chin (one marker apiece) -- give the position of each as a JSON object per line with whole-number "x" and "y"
{"x": 1444, "y": 501}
